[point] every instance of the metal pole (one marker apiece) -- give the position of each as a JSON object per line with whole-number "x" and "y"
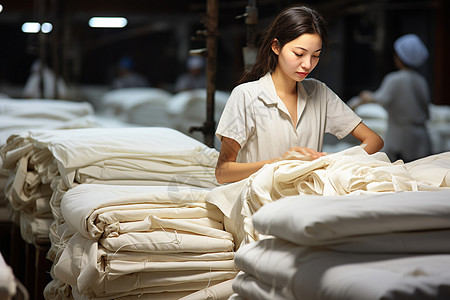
{"x": 211, "y": 67}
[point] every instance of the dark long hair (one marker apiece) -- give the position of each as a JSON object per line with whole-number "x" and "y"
{"x": 291, "y": 23}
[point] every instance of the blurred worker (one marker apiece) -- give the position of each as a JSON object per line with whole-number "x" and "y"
{"x": 41, "y": 83}
{"x": 127, "y": 77}
{"x": 405, "y": 96}
{"x": 195, "y": 78}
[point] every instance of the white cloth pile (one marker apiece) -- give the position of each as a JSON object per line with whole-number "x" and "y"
{"x": 19, "y": 115}
{"x": 23, "y": 114}
{"x": 439, "y": 127}
{"x": 143, "y": 242}
{"x": 349, "y": 172}
{"x": 44, "y": 164}
{"x": 160, "y": 175}
{"x": 378, "y": 246}
{"x": 188, "y": 109}
{"x": 138, "y": 105}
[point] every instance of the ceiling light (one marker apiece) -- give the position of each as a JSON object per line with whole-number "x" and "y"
{"x": 31, "y": 27}
{"x": 46, "y": 27}
{"x": 108, "y": 22}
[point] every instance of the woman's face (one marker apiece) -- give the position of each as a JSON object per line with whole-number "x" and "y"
{"x": 298, "y": 57}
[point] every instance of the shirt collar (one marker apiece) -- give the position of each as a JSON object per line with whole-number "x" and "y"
{"x": 268, "y": 93}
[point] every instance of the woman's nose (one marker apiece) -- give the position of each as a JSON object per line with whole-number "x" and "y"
{"x": 306, "y": 63}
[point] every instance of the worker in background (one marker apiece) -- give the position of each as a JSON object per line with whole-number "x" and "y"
{"x": 405, "y": 96}
{"x": 127, "y": 77}
{"x": 41, "y": 83}
{"x": 194, "y": 78}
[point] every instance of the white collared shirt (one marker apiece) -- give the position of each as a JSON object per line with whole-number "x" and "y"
{"x": 258, "y": 120}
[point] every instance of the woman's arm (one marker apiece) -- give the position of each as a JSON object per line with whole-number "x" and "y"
{"x": 365, "y": 135}
{"x": 228, "y": 170}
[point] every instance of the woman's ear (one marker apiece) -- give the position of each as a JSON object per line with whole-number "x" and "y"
{"x": 276, "y": 46}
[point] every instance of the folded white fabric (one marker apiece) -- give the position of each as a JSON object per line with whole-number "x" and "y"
{"x": 100, "y": 210}
{"x": 349, "y": 172}
{"x": 45, "y": 108}
{"x": 133, "y": 240}
{"x": 66, "y": 158}
{"x": 220, "y": 291}
{"x": 330, "y": 220}
{"x": 297, "y": 272}
{"x": 74, "y": 149}
{"x": 248, "y": 287}
{"x": 433, "y": 169}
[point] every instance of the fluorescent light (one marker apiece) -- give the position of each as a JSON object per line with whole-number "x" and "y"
{"x": 108, "y": 22}
{"x": 31, "y": 27}
{"x": 1, "y": 8}
{"x": 46, "y": 27}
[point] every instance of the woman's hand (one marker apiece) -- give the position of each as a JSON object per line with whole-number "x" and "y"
{"x": 300, "y": 153}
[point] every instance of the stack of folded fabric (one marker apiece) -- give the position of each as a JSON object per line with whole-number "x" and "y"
{"x": 23, "y": 114}
{"x": 19, "y": 115}
{"x": 44, "y": 164}
{"x": 156, "y": 181}
{"x": 142, "y": 242}
{"x": 378, "y": 246}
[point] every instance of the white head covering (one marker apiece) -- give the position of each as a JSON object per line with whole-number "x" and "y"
{"x": 411, "y": 50}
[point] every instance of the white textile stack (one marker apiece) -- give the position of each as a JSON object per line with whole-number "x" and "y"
{"x": 156, "y": 242}
{"x": 382, "y": 246}
{"x": 23, "y": 114}
{"x": 44, "y": 164}
{"x": 19, "y": 115}
{"x": 349, "y": 172}
{"x": 145, "y": 106}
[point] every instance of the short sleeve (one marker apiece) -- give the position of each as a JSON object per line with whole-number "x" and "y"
{"x": 341, "y": 119}
{"x": 236, "y": 121}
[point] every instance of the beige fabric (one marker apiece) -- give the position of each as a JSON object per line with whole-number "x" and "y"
{"x": 220, "y": 291}
{"x": 433, "y": 169}
{"x": 349, "y": 172}
{"x": 296, "y": 272}
{"x": 379, "y": 222}
{"x": 142, "y": 239}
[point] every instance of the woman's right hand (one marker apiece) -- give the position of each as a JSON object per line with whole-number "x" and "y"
{"x": 301, "y": 153}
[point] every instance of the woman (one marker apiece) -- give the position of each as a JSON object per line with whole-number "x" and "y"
{"x": 275, "y": 113}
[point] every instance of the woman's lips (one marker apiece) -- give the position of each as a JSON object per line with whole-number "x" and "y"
{"x": 302, "y": 74}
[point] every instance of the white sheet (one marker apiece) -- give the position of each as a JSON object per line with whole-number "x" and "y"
{"x": 326, "y": 220}
{"x": 304, "y": 273}
{"x": 90, "y": 208}
{"x": 433, "y": 169}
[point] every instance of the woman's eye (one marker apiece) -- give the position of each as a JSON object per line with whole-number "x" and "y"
{"x": 298, "y": 54}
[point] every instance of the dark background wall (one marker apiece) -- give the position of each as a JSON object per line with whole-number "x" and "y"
{"x": 160, "y": 34}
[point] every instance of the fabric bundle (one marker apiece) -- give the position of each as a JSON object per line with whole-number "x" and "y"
{"x": 147, "y": 241}
{"x": 44, "y": 164}
{"x": 384, "y": 246}
{"x": 19, "y": 115}
{"x": 23, "y": 114}
{"x": 349, "y": 172}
